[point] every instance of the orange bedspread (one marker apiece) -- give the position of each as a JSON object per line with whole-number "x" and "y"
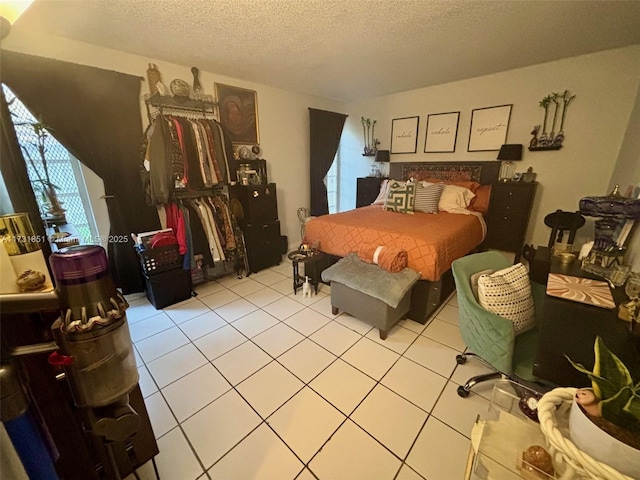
{"x": 432, "y": 241}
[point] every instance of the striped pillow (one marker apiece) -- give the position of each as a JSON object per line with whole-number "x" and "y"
{"x": 400, "y": 197}
{"x": 427, "y": 197}
{"x": 508, "y": 293}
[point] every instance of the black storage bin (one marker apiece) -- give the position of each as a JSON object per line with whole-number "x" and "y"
{"x": 167, "y": 288}
{"x": 264, "y": 245}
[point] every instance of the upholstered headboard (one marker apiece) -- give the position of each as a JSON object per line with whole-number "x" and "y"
{"x": 481, "y": 172}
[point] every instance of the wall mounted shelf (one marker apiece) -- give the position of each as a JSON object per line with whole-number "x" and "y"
{"x": 539, "y": 149}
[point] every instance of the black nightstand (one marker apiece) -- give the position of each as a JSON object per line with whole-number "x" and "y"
{"x": 367, "y": 189}
{"x": 508, "y": 216}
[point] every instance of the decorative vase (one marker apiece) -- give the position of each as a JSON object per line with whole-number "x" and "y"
{"x": 601, "y": 446}
{"x": 153, "y": 77}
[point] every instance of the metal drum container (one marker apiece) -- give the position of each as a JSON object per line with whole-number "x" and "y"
{"x": 92, "y": 332}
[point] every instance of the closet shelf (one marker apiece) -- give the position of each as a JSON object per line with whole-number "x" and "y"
{"x": 158, "y": 100}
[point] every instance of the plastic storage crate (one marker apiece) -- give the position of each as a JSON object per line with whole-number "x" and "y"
{"x": 160, "y": 259}
{"x": 167, "y": 288}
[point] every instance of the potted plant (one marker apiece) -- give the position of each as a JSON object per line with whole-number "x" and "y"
{"x": 604, "y": 421}
{"x": 43, "y": 185}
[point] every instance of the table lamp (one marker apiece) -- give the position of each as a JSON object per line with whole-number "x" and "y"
{"x": 509, "y": 153}
{"x": 382, "y": 156}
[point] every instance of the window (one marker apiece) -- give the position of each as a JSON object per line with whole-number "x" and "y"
{"x": 64, "y": 169}
{"x": 331, "y": 182}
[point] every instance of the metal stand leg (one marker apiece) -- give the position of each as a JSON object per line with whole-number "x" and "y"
{"x": 112, "y": 461}
{"x": 155, "y": 468}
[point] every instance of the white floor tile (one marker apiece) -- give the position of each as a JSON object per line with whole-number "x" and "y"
{"x": 460, "y": 413}
{"x": 277, "y": 339}
{"x": 269, "y": 388}
{"x": 446, "y": 334}
{"x": 195, "y": 391}
{"x": 176, "y": 459}
{"x": 406, "y": 473}
{"x": 370, "y": 357}
{"x": 264, "y": 297}
{"x": 307, "y": 301}
{"x": 335, "y": 338}
{"x": 411, "y": 325}
{"x": 439, "y": 451}
{"x": 262, "y": 455}
{"x": 285, "y": 268}
{"x": 220, "y": 342}
{"x": 201, "y": 325}
{"x": 304, "y": 475}
{"x": 283, "y": 308}
{"x": 140, "y": 312}
{"x": 218, "y": 299}
{"x": 453, "y": 301}
{"x": 343, "y": 385}
{"x": 218, "y": 427}
{"x": 391, "y": 419}
{"x": 270, "y": 278}
{"x": 150, "y": 326}
{"x": 416, "y": 383}
{"x": 147, "y": 385}
{"x": 176, "y": 364}
{"x": 231, "y": 281}
{"x": 208, "y": 288}
{"x": 255, "y": 323}
{"x": 353, "y": 323}
{"x": 323, "y": 306}
{"x": 162, "y": 420}
{"x": 161, "y": 343}
{"x": 183, "y": 311}
{"x": 433, "y": 355}
{"x": 306, "y": 422}
{"x": 307, "y": 321}
{"x": 449, "y": 314}
{"x": 353, "y": 454}
{"x": 245, "y": 288}
{"x": 398, "y": 339}
{"x": 284, "y": 285}
{"x": 242, "y": 361}
{"x": 306, "y": 360}
{"x": 235, "y": 310}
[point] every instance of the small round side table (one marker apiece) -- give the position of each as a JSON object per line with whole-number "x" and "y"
{"x": 312, "y": 268}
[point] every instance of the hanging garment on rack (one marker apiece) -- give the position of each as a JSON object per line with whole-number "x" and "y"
{"x": 200, "y": 244}
{"x": 175, "y": 221}
{"x": 158, "y": 157}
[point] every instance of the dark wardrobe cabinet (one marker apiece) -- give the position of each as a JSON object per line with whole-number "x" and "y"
{"x": 256, "y": 209}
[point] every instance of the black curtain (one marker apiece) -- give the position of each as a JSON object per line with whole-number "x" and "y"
{"x": 95, "y": 114}
{"x": 325, "y": 130}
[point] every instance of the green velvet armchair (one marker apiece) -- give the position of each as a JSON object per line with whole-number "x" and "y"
{"x": 488, "y": 336}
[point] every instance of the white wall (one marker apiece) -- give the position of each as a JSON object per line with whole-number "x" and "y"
{"x": 605, "y": 84}
{"x": 283, "y": 117}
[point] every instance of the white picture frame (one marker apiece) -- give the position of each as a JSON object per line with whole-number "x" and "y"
{"x": 442, "y": 132}
{"x": 489, "y": 127}
{"x": 404, "y": 135}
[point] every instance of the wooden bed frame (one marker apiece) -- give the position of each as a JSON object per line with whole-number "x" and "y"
{"x": 427, "y": 296}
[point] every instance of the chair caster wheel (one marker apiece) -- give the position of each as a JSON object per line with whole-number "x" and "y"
{"x": 461, "y": 359}
{"x": 462, "y": 392}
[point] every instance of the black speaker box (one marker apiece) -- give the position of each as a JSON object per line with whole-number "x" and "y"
{"x": 259, "y": 203}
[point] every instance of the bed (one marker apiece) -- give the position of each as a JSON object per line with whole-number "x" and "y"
{"x": 432, "y": 241}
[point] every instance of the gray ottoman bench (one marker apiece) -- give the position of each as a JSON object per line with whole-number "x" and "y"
{"x": 369, "y": 293}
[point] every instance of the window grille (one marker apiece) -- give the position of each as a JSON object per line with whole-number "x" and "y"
{"x": 64, "y": 170}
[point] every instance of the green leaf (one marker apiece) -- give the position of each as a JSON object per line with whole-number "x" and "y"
{"x": 609, "y": 366}
{"x": 633, "y": 406}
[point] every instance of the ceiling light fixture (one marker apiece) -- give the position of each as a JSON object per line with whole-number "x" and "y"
{"x": 10, "y": 11}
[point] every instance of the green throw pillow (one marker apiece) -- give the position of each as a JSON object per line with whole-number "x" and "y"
{"x": 400, "y": 197}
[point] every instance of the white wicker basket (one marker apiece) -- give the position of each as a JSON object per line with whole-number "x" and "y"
{"x": 563, "y": 449}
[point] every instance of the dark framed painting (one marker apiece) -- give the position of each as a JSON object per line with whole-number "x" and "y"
{"x": 404, "y": 135}
{"x": 442, "y": 132}
{"x": 238, "y": 108}
{"x": 489, "y": 128}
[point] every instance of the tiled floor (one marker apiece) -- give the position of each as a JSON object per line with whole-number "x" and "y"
{"x": 249, "y": 381}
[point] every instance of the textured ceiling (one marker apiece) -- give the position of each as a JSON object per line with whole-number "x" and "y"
{"x": 344, "y": 49}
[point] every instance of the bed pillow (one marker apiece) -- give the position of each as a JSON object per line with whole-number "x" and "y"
{"x": 473, "y": 280}
{"x": 400, "y": 197}
{"x": 471, "y": 185}
{"x": 455, "y": 197}
{"x": 480, "y": 202}
{"x": 382, "y": 195}
{"x": 508, "y": 293}
{"x": 427, "y": 197}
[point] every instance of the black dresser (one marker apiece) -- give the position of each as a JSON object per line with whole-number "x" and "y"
{"x": 508, "y": 216}
{"x": 256, "y": 209}
{"x": 367, "y": 189}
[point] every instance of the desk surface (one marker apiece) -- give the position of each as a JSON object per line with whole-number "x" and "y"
{"x": 570, "y": 328}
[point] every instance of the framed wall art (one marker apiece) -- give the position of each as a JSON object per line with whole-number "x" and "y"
{"x": 489, "y": 128}
{"x": 404, "y": 135}
{"x": 238, "y": 109}
{"x": 442, "y": 131}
